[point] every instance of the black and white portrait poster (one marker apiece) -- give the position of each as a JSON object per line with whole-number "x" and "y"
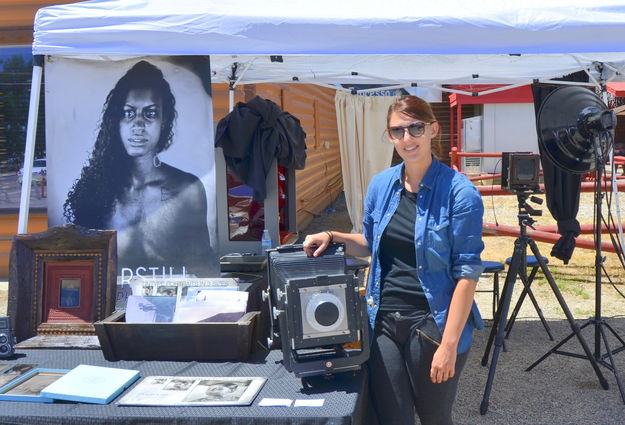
{"x": 130, "y": 148}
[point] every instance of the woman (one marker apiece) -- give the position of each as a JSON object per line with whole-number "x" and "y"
{"x": 159, "y": 211}
{"x": 422, "y": 227}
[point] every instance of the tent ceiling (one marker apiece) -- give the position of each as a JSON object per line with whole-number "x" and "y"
{"x": 330, "y": 27}
{"x": 425, "y": 70}
{"x": 325, "y": 41}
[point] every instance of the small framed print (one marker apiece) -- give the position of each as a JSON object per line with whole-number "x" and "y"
{"x": 61, "y": 281}
{"x": 14, "y": 372}
{"x": 29, "y": 386}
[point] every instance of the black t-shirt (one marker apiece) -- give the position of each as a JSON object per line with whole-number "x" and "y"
{"x": 401, "y": 288}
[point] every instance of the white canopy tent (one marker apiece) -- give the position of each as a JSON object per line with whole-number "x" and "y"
{"x": 397, "y": 43}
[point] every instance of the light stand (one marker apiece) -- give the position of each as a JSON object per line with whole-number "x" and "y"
{"x": 598, "y": 321}
{"x": 517, "y": 267}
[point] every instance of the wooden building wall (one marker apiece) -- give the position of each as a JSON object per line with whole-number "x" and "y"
{"x": 17, "y": 17}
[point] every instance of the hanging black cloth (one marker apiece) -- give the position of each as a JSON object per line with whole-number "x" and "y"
{"x": 255, "y": 133}
{"x": 562, "y": 189}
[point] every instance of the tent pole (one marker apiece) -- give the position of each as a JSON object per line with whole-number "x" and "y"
{"x": 230, "y": 98}
{"x": 29, "y": 150}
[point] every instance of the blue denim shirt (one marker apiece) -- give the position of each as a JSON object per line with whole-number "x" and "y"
{"x": 448, "y": 238}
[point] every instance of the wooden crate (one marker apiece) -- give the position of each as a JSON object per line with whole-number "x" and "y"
{"x": 202, "y": 341}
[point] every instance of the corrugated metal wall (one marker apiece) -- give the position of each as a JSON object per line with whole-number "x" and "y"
{"x": 320, "y": 182}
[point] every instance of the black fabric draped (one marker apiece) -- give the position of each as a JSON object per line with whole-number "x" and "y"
{"x": 562, "y": 189}
{"x": 255, "y": 133}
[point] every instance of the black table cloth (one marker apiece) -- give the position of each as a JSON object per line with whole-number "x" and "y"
{"x": 344, "y": 394}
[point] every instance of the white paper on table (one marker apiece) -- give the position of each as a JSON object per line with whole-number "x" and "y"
{"x": 309, "y": 403}
{"x": 215, "y": 305}
{"x": 150, "y": 309}
{"x": 282, "y": 402}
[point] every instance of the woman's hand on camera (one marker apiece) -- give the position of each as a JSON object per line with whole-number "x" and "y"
{"x": 315, "y": 244}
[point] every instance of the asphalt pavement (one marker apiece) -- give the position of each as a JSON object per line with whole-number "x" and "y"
{"x": 560, "y": 390}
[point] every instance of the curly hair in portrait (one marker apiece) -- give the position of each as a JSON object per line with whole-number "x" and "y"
{"x": 102, "y": 181}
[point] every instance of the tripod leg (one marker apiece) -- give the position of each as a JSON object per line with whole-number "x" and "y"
{"x": 558, "y": 345}
{"x": 567, "y": 313}
{"x": 517, "y": 307}
{"x": 502, "y": 313}
{"x": 527, "y": 290}
{"x": 530, "y": 294}
{"x": 553, "y": 350}
{"x": 496, "y": 320}
{"x": 526, "y": 281}
{"x": 617, "y": 336}
{"x": 612, "y": 364}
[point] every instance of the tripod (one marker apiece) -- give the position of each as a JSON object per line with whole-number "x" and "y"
{"x": 518, "y": 265}
{"x": 597, "y": 320}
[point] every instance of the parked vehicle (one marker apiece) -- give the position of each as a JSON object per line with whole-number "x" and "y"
{"x": 38, "y": 173}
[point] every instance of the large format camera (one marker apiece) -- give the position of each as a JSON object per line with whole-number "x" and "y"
{"x": 520, "y": 172}
{"x": 319, "y": 311}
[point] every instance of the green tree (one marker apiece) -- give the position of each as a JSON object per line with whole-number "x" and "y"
{"x": 15, "y": 82}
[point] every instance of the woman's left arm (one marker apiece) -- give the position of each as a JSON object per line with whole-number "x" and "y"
{"x": 444, "y": 360}
{"x": 466, "y": 226}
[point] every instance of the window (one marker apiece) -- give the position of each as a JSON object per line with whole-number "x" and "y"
{"x": 15, "y": 80}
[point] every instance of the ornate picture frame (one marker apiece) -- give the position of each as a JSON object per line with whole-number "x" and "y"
{"x": 61, "y": 281}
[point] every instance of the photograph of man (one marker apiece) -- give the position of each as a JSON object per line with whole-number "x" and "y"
{"x": 129, "y": 181}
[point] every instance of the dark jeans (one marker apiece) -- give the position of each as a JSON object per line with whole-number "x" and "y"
{"x": 399, "y": 367}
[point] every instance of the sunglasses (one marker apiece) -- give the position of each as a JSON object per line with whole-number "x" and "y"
{"x": 415, "y": 129}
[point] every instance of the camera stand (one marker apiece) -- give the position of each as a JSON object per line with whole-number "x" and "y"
{"x": 598, "y": 321}
{"x": 517, "y": 266}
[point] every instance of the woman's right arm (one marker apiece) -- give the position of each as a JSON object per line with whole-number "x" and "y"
{"x": 355, "y": 243}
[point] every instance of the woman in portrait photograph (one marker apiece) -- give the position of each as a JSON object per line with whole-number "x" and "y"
{"x": 159, "y": 211}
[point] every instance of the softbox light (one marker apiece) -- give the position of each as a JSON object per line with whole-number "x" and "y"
{"x": 570, "y": 121}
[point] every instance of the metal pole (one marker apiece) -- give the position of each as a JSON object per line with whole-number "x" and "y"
{"x": 29, "y": 150}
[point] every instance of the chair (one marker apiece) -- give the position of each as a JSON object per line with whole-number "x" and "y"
{"x": 493, "y": 267}
{"x": 532, "y": 262}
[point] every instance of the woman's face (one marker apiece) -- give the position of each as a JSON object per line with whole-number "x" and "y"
{"x": 415, "y": 143}
{"x": 140, "y": 126}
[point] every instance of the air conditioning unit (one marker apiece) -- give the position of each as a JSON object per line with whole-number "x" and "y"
{"x": 472, "y": 165}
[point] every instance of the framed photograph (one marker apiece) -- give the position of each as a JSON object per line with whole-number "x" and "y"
{"x": 29, "y": 386}
{"x": 15, "y": 371}
{"x": 61, "y": 281}
{"x": 194, "y": 391}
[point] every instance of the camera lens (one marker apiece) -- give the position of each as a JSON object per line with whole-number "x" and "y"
{"x": 3, "y": 338}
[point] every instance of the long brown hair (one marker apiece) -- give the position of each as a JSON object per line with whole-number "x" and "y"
{"x": 419, "y": 109}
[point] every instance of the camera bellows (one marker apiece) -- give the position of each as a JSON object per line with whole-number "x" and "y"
{"x": 318, "y": 309}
